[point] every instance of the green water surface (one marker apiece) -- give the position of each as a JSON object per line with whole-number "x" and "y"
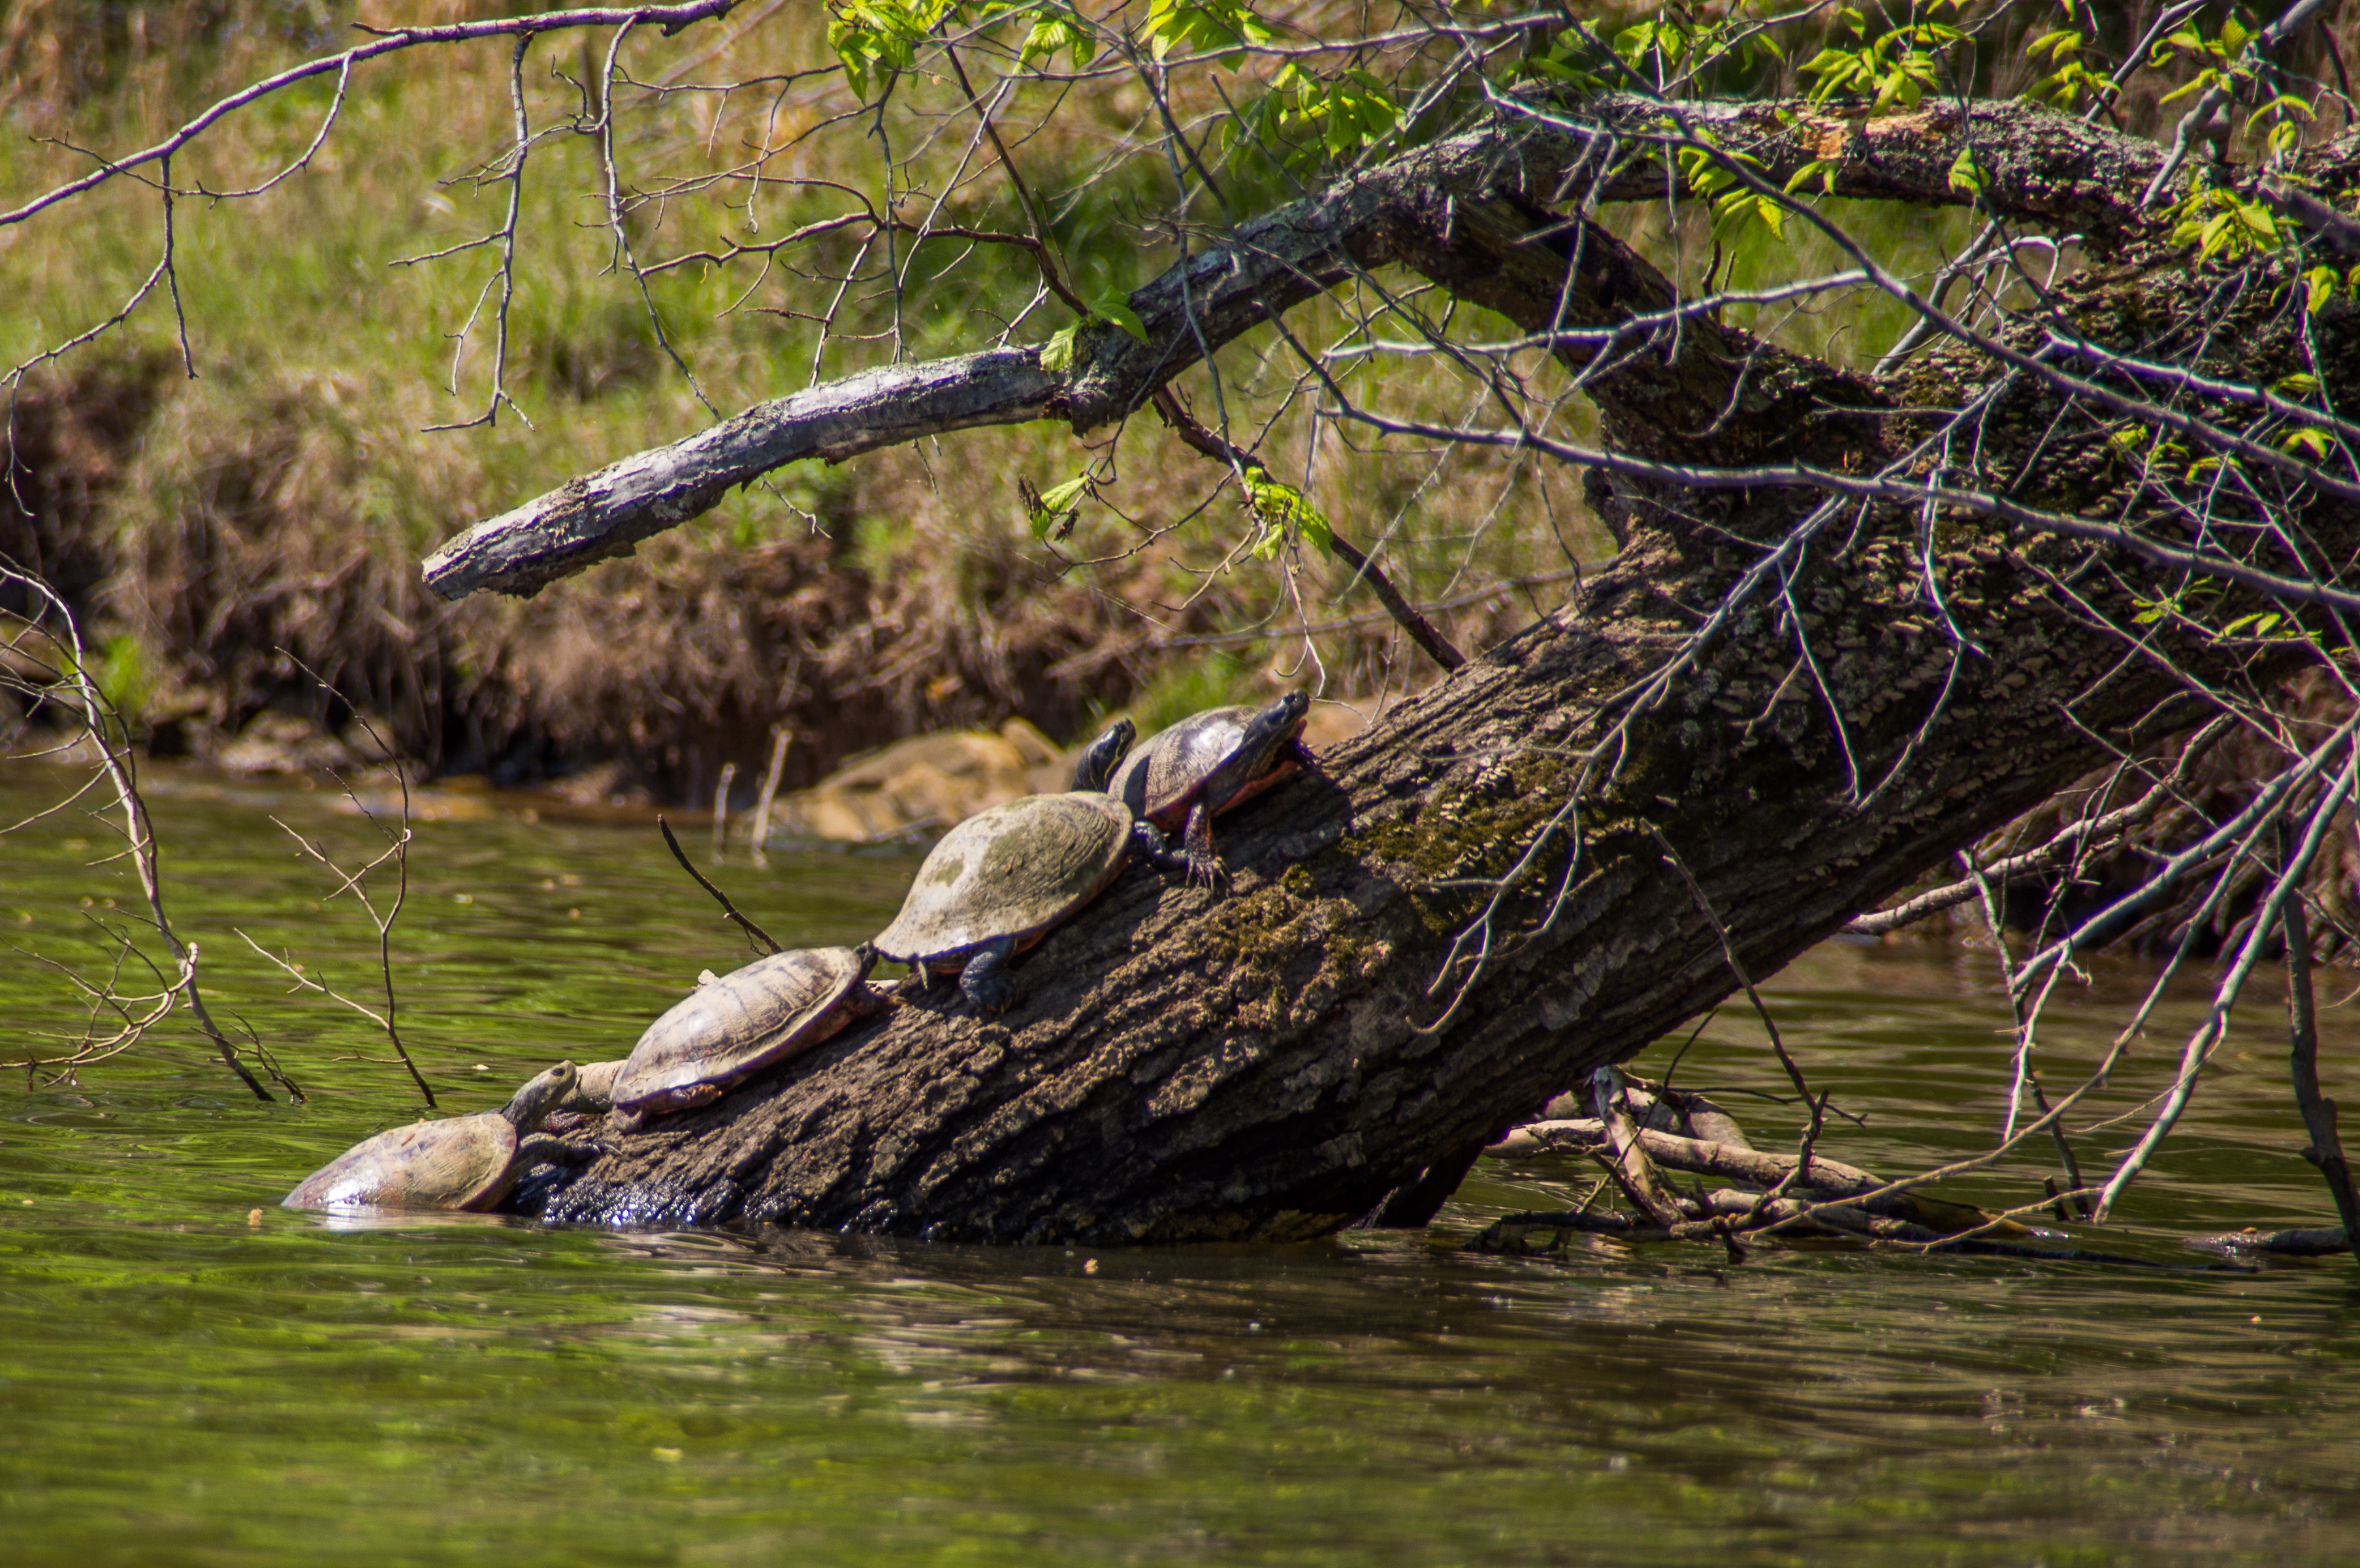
{"x": 190, "y": 1374}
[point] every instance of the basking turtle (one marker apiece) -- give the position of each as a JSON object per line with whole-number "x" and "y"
{"x": 460, "y": 1162}
{"x": 998, "y": 881}
{"x": 594, "y": 1084}
{"x": 734, "y": 1025}
{"x": 1205, "y": 764}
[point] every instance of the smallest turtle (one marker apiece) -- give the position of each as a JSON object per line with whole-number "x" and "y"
{"x": 1181, "y": 777}
{"x": 459, "y": 1163}
{"x": 733, "y": 1026}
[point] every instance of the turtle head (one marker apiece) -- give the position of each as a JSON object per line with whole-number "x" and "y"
{"x": 540, "y": 1096}
{"x": 1258, "y": 748}
{"x": 1103, "y": 756}
{"x": 1269, "y": 730}
{"x": 1281, "y": 719}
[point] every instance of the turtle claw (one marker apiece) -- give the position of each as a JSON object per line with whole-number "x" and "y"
{"x": 1205, "y": 867}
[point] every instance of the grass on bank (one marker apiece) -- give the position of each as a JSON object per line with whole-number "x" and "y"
{"x": 279, "y": 500}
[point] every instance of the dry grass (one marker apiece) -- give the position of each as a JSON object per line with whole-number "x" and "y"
{"x": 281, "y": 500}
{"x": 272, "y": 509}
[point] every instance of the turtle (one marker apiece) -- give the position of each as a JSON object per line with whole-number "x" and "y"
{"x": 1184, "y": 776}
{"x": 593, "y": 1084}
{"x": 998, "y": 881}
{"x": 734, "y": 1025}
{"x": 459, "y": 1163}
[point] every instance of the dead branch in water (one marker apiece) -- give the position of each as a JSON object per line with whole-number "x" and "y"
{"x": 754, "y": 933}
{"x": 48, "y": 667}
{"x": 2326, "y": 1150}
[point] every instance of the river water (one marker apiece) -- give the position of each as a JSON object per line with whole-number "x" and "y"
{"x": 194, "y": 1376}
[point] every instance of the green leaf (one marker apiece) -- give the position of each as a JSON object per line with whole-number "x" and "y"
{"x": 1061, "y": 29}
{"x": 1821, "y": 168}
{"x": 1205, "y": 27}
{"x": 1057, "y": 353}
{"x": 876, "y": 38}
{"x": 2203, "y": 78}
{"x": 1114, "y": 306}
{"x": 1067, "y": 496}
{"x": 1964, "y": 175}
{"x": 2306, "y": 439}
{"x": 1052, "y": 516}
{"x": 1284, "y": 510}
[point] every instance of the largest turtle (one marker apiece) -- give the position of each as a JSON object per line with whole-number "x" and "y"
{"x": 998, "y": 881}
{"x": 1187, "y": 775}
{"x": 459, "y": 1163}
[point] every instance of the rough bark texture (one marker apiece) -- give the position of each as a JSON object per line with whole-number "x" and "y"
{"x": 1183, "y": 1066}
{"x": 1273, "y": 1064}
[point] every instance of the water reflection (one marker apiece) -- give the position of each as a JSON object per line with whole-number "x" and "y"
{"x": 191, "y": 1381}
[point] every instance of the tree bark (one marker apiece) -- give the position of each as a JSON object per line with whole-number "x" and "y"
{"x": 1470, "y": 906}
{"x": 1180, "y": 1066}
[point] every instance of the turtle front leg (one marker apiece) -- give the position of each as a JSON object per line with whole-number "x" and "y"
{"x": 548, "y": 1148}
{"x": 985, "y": 980}
{"x": 1147, "y": 843}
{"x": 1205, "y": 866}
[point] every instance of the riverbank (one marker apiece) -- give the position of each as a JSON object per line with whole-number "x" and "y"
{"x": 248, "y": 613}
{"x": 240, "y": 532}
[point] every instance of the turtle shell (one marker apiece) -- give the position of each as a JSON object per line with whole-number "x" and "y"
{"x": 1012, "y": 871}
{"x": 1161, "y": 779}
{"x": 459, "y": 1163}
{"x": 463, "y": 1162}
{"x": 738, "y": 1023}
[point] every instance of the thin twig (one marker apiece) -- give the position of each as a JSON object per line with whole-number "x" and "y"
{"x": 753, "y": 932}
{"x": 2326, "y": 1150}
{"x": 779, "y": 738}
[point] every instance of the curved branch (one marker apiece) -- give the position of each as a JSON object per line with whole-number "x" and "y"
{"x": 670, "y": 18}
{"x": 1466, "y": 211}
{"x": 2031, "y": 163}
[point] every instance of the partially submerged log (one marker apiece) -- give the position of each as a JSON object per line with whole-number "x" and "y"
{"x": 1814, "y": 1184}
{"x": 2317, "y": 1242}
{"x": 1550, "y": 1232}
{"x": 1473, "y": 906}
{"x": 1180, "y": 1066}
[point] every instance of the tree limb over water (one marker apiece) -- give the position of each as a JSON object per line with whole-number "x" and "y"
{"x": 1814, "y": 700}
{"x": 1465, "y": 212}
{"x": 2103, "y": 488}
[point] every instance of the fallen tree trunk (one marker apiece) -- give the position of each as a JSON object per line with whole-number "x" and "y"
{"x": 1180, "y": 1066}
{"x": 1748, "y": 728}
